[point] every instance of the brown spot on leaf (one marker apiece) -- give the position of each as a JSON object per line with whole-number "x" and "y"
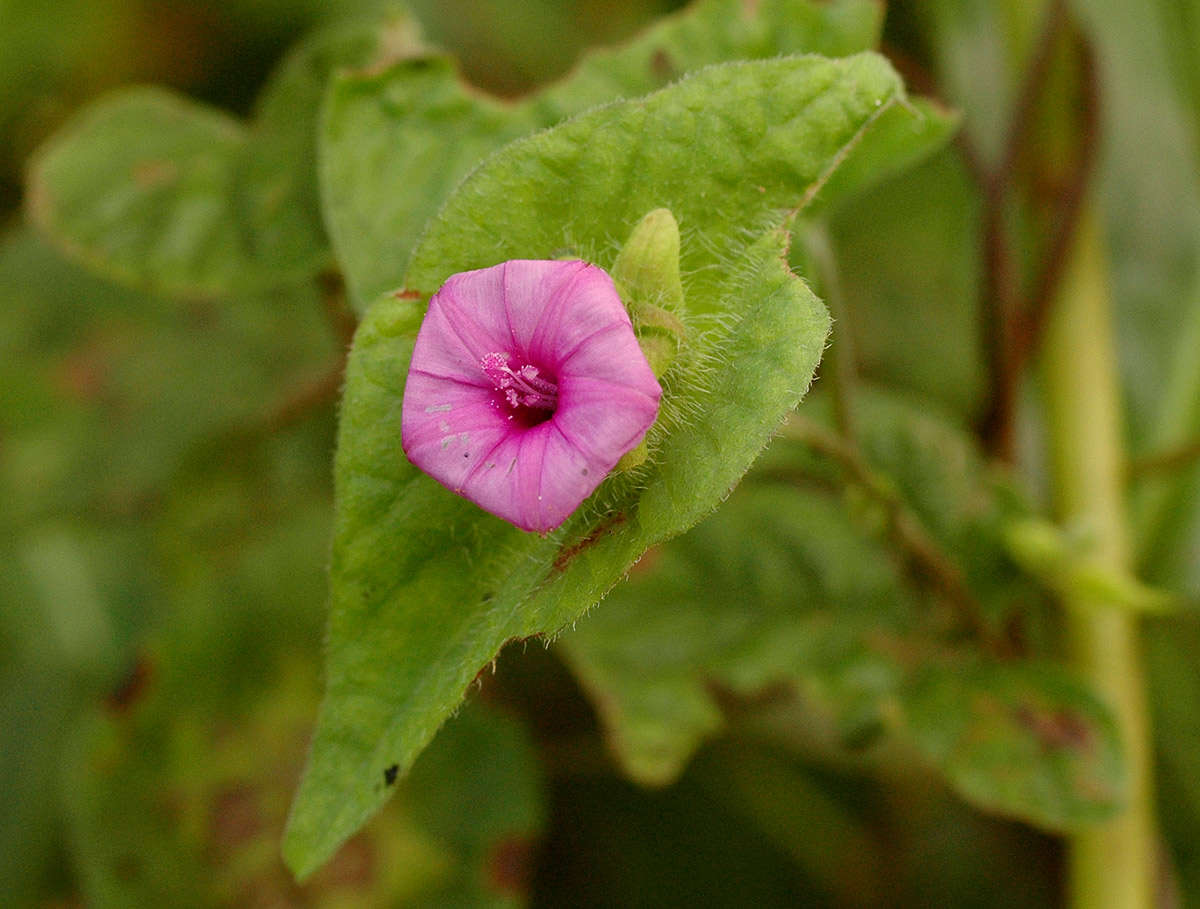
{"x": 407, "y": 294}
{"x": 750, "y": 8}
{"x": 234, "y": 818}
{"x": 568, "y": 553}
{"x": 390, "y": 773}
{"x": 83, "y": 374}
{"x": 646, "y": 562}
{"x": 1055, "y": 728}
{"x": 153, "y": 174}
{"x": 509, "y": 865}
{"x": 132, "y": 688}
{"x": 661, "y": 65}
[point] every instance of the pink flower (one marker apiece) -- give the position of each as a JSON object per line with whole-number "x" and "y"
{"x": 526, "y": 387}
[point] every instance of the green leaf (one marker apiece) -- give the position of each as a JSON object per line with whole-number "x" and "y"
{"x": 276, "y": 197}
{"x": 1020, "y": 739}
{"x": 778, "y": 587}
{"x": 138, "y": 187}
{"x": 394, "y": 143}
{"x": 1067, "y": 565}
{"x": 903, "y": 135}
{"x": 727, "y": 150}
{"x": 163, "y": 193}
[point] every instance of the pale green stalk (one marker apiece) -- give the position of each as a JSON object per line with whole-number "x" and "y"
{"x": 1111, "y": 864}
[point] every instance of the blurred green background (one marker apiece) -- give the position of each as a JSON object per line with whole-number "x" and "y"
{"x": 165, "y": 511}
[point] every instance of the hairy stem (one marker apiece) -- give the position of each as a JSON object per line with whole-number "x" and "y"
{"x": 1111, "y": 864}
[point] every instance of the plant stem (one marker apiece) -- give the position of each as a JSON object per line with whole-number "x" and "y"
{"x": 1111, "y": 864}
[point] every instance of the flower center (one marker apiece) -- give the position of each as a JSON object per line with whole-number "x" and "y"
{"x": 521, "y": 387}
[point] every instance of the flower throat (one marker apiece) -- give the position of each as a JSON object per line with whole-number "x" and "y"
{"x": 523, "y": 387}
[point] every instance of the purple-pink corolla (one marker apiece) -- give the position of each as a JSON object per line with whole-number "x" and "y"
{"x": 526, "y": 387}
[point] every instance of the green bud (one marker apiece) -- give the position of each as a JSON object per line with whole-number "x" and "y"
{"x": 646, "y": 275}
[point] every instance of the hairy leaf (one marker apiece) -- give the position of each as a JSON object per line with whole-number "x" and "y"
{"x": 426, "y": 588}
{"x": 395, "y": 143}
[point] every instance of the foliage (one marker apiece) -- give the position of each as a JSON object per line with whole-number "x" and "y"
{"x": 818, "y": 647}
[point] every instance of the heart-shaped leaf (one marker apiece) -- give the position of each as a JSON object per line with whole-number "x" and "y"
{"x": 426, "y": 587}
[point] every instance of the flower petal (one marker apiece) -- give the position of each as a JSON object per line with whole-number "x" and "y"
{"x": 533, "y": 479}
{"x": 602, "y": 419}
{"x": 584, "y": 309}
{"x": 471, "y": 307}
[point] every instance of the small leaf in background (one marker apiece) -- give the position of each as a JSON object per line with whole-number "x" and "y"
{"x": 1020, "y": 739}
{"x": 138, "y": 186}
{"x": 163, "y": 193}
{"x": 410, "y": 628}
{"x": 784, "y": 585}
{"x": 105, "y": 400}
